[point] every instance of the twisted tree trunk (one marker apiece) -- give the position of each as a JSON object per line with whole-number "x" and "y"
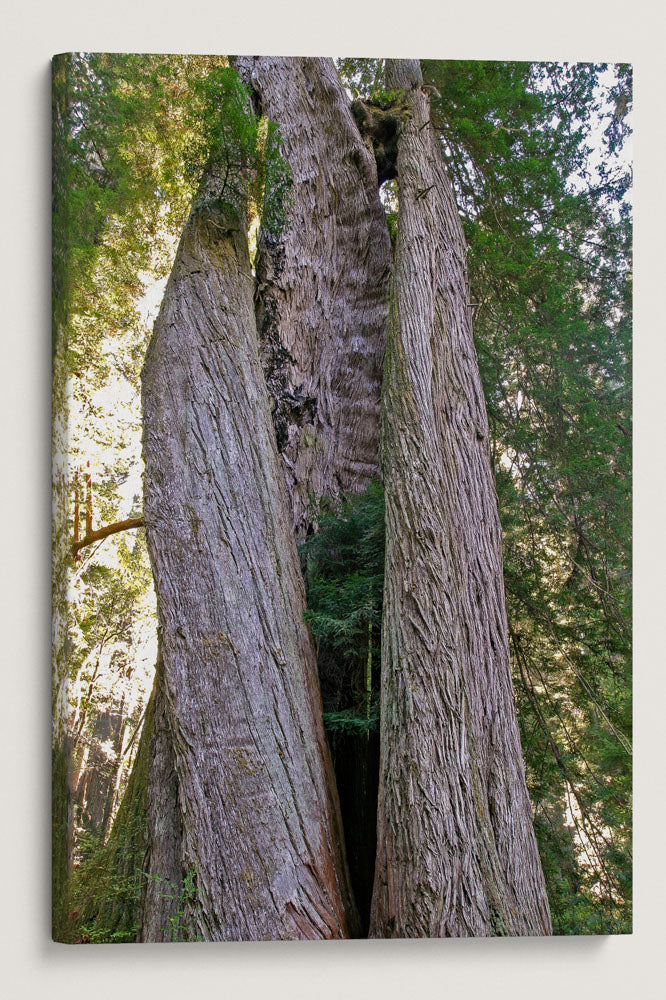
{"x": 248, "y": 823}
{"x": 261, "y": 845}
{"x": 457, "y": 854}
{"x": 321, "y": 285}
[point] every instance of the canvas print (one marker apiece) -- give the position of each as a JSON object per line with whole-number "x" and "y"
{"x": 341, "y": 498}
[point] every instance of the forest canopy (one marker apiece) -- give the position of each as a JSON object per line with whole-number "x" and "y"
{"x": 537, "y": 156}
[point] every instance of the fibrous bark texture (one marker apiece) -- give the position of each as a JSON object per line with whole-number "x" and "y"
{"x": 456, "y": 850}
{"x": 261, "y": 850}
{"x": 164, "y": 887}
{"x": 321, "y": 285}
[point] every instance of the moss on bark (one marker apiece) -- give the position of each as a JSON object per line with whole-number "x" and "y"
{"x": 106, "y": 892}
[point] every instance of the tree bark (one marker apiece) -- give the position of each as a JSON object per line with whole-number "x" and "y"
{"x": 321, "y": 285}
{"x": 457, "y": 854}
{"x": 261, "y": 833}
{"x": 164, "y": 887}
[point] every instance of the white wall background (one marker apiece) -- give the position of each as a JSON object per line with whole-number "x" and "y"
{"x": 557, "y": 969}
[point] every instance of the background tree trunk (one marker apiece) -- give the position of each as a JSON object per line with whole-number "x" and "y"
{"x": 262, "y": 846}
{"x": 457, "y": 854}
{"x": 321, "y": 285}
{"x": 112, "y": 895}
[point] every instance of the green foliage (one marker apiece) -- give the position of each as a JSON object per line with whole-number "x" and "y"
{"x": 224, "y": 153}
{"x": 104, "y": 903}
{"x": 110, "y": 607}
{"x": 350, "y": 722}
{"x": 361, "y": 76}
{"x": 106, "y": 889}
{"x": 227, "y": 131}
{"x": 383, "y": 98}
{"x": 109, "y": 600}
{"x": 59, "y": 839}
{"x": 344, "y": 571}
{"x": 120, "y": 187}
{"x": 237, "y": 155}
{"x": 185, "y": 894}
{"x": 274, "y": 180}
{"x": 132, "y": 136}
{"x": 106, "y": 896}
{"x": 343, "y": 564}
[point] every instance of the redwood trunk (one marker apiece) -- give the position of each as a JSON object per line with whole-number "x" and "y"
{"x": 261, "y": 838}
{"x": 457, "y": 854}
{"x": 321, "y": 285}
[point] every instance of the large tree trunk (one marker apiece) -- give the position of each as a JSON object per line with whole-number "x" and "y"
{"x": 321, "y": 285}
{"x": 261, "y": 847}
{"x": 322, "y": 307}
{"x": 457, "y": 854}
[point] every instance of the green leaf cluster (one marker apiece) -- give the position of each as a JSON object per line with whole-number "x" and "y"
{"x": 344, "y": 572}
{"x": 122, "y": 128}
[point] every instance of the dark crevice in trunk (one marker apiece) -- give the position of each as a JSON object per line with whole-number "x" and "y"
{"x": 343, "y": 566}
{"x": 356, "y": 764}
{"x": 380, "y": 128}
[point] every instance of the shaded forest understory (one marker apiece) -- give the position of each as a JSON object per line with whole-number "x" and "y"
{"x": 299, "y": 358}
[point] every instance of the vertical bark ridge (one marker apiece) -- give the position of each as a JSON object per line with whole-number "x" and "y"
{"x": 164, "y": 888}
{"x": 322, "y": 285}
{"x": 262, "y": 849}
{"x": 457, "y": 854}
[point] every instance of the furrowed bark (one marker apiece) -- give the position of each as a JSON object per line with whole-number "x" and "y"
{"x": 261, "y": 848}
{"x": 457, "y": 854}
{"x": 321, "y": 285}
{"x": 164, "y": 886}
